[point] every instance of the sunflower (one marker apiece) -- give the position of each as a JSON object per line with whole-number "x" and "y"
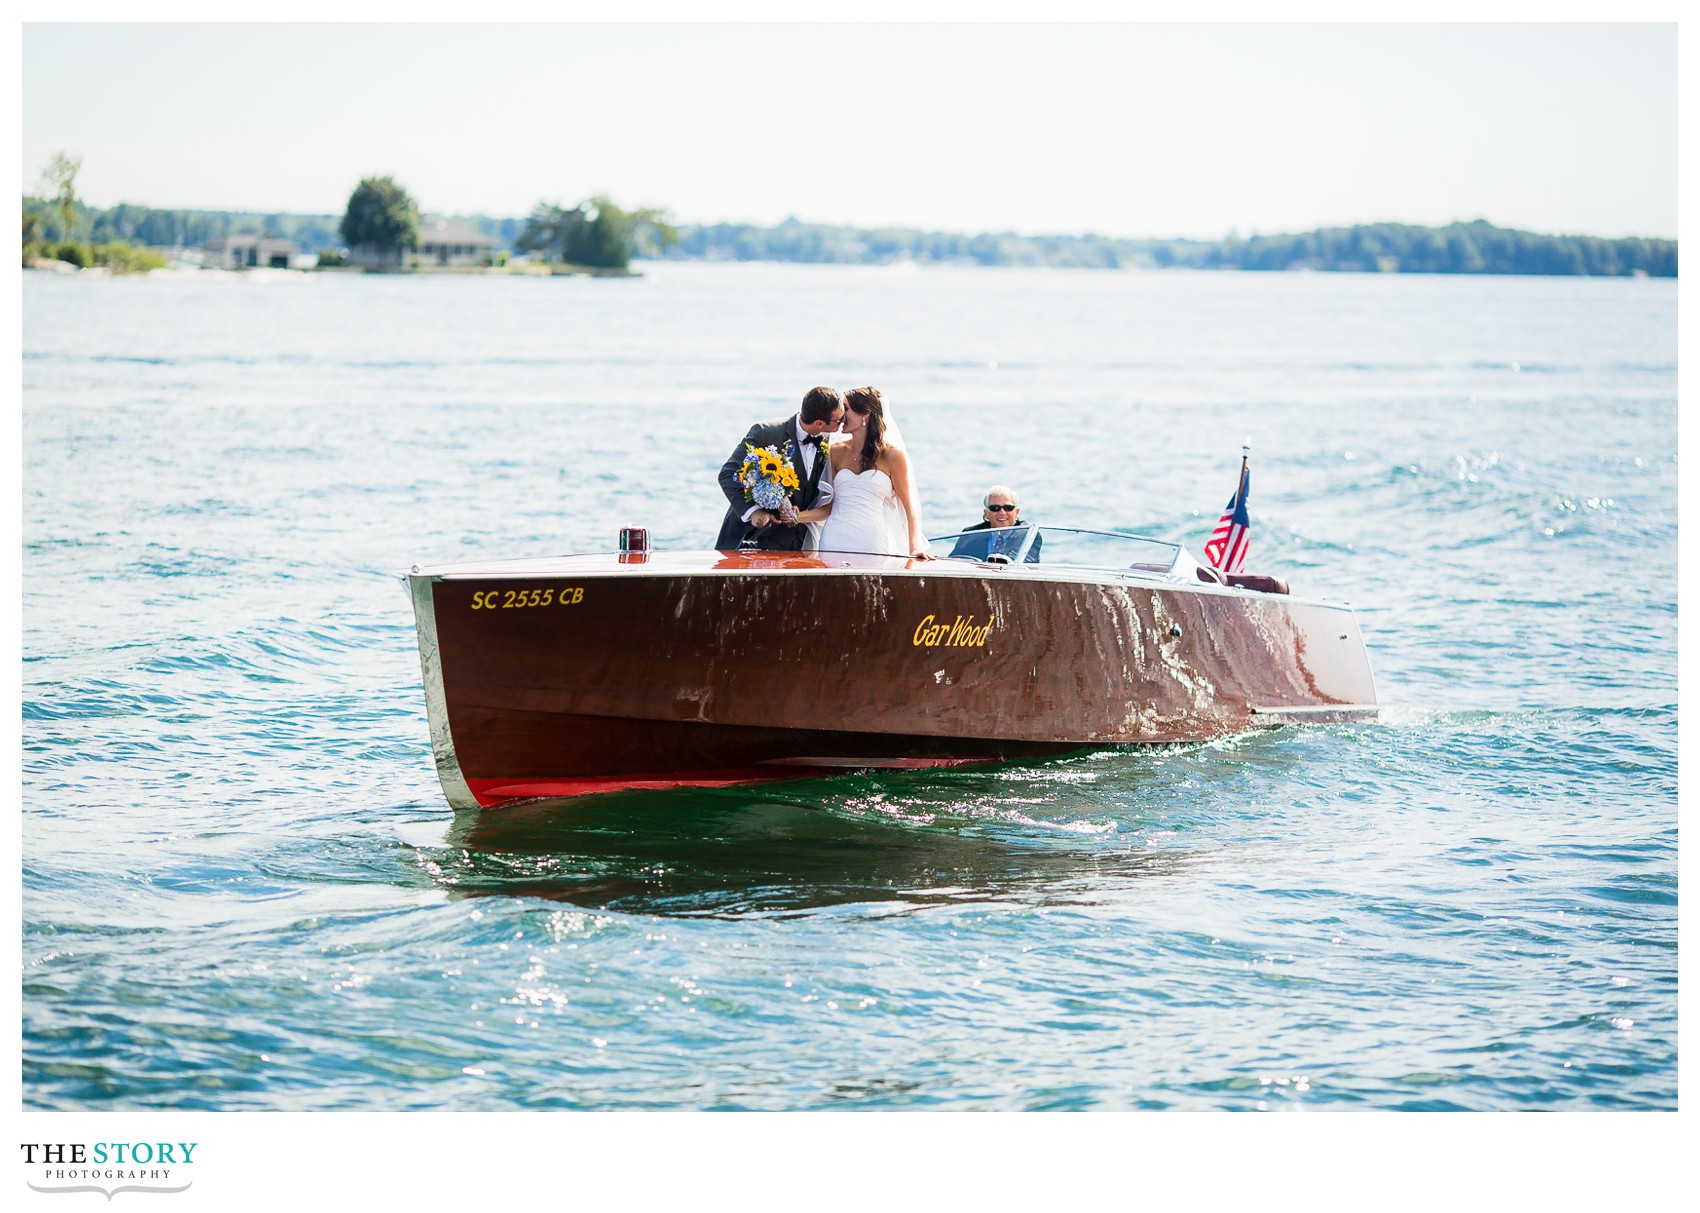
{"x": 772, "y": 466}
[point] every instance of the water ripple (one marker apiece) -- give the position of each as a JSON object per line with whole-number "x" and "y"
{"x": 242, "y": 889}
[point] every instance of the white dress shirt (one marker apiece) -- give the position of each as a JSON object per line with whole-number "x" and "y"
{"x": 808, "y": 454}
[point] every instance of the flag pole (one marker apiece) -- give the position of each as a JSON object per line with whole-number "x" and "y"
{"x": 1245, "y": 463}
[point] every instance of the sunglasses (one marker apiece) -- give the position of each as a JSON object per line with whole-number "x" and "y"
{"x": 1003, "y": 509}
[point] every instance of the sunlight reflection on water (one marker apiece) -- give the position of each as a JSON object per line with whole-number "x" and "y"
{"x": 242, "y": 888}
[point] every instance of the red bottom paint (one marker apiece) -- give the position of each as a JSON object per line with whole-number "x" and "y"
{"x": 490, "y": 792}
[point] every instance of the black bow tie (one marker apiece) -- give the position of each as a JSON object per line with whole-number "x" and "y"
{"x": 817, "y": 440}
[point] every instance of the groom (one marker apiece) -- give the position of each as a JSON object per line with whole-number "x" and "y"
{"x": 822, "y": 410}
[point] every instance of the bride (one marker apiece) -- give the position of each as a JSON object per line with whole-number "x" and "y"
{"x": 873, "y": 506}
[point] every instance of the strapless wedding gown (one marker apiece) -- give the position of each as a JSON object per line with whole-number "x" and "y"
{"x": 866, "y": 515}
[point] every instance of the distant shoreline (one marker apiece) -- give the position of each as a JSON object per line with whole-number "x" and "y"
{"x": 532, "y": 269}
{"x": 637, "y": 271}
{"x": 1476, "y": 247}
{"x": 1459, "y": 248}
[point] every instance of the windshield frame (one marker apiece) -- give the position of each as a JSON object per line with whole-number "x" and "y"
{"x": 1035, "y": 530}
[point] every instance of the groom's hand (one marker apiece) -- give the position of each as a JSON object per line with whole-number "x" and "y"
{"x": 761, "y": 520}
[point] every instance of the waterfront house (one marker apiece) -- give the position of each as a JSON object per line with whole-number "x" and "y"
{"x": 249, "y": 252}
{"x": 442, "y": 243}
{"x": 451, "y": 242}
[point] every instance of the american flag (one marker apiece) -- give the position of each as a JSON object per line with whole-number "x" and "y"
{"x": 1226, "y": 547}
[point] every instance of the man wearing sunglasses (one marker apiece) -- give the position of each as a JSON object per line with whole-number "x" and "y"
{"x": 1002, "y": 510}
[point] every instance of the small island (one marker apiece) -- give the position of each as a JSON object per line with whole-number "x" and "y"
{"x": 382, "y": 230}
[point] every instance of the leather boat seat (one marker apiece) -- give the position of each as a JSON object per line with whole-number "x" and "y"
{"x": 1245, "y": 581}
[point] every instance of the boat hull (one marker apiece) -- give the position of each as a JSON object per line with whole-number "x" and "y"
{"x": 598, "y": 675}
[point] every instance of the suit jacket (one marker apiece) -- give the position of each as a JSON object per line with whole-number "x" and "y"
{"x": 1001, "y": 540}
{"x": 779, "y": 537}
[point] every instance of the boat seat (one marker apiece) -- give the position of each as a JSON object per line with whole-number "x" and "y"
{"x": 1260, "y": 582}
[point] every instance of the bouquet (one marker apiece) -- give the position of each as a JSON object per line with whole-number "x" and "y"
{"x": 767, "y": 476}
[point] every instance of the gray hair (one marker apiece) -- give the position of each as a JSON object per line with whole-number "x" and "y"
{"x": 1001, "y": 490}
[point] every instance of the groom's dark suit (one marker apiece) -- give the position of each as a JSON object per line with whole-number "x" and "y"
{"x": 777, "y": 537}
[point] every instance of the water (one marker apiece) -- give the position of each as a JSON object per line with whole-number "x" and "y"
{"x": 242, "y": 888}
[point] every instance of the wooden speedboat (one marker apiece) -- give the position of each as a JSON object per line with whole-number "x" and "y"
{"x": 576, "y": 674}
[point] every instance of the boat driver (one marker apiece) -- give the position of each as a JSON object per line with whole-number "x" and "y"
{"x": 1002, "y": 512}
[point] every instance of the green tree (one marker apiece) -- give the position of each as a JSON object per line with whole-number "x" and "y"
{"x": 596, "y": 233}
{"x": 604, "y": 238}
{"x": 552, "y": 230}
{"x": 60, "y": 179}
{"x": 645, "y": 232}
{"x": 383, "y": 215}
{"x": 32, "y": 234}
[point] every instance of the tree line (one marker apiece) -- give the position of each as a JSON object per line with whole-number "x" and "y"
{"x": 56, "y": 226}
{"x": 1459, "y": 248}
{"x": 598, "y": 233}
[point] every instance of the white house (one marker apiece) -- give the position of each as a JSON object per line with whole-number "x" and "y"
{"x": 451, "y": 242}
{"x": 248, "y": 252}
{"x": 442, "y": 242}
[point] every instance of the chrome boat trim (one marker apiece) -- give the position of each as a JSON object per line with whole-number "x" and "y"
{"x": 436, "y": 702}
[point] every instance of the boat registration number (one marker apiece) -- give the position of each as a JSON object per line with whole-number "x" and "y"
{"x": 496, "y": 600}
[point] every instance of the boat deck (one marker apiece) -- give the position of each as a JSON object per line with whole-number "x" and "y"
{"x": 816, "y": 564}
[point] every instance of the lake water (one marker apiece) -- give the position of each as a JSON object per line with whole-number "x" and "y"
{"x": 242, "y": 888}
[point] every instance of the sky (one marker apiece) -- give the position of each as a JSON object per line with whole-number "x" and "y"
{"x": 1131, "y": 130}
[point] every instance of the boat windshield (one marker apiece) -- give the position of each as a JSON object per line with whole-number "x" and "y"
{"x": 1024, "y": 544}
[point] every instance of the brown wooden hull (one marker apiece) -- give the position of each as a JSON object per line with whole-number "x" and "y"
{"x": 590, "y": 674}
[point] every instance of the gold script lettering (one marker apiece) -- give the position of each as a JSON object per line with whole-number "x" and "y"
{"x": 921, "y": 628}
{"x": 961, "y": 633}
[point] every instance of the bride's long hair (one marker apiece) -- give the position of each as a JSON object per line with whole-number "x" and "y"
{"x": 868, "y": 401}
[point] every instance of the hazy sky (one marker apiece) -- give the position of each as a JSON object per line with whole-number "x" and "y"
{"x": 1129, "y": 130}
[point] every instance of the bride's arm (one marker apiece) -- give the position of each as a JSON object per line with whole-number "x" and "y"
{"x": 906, "y": 494}
{"x": 821, "y": 512}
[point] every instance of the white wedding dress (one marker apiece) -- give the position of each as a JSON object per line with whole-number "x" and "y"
{"x": 866, "y": 515}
